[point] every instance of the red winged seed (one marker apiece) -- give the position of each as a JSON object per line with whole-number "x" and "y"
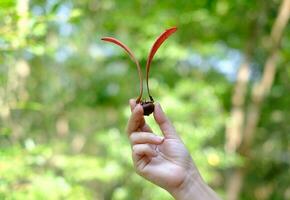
{"x": 148, "y": 106}
{"x": 154, "y": 49}
{"x": 120, "y": 44}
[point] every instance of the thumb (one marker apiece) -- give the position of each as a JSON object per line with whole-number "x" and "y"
{"x": 165, "y": 125}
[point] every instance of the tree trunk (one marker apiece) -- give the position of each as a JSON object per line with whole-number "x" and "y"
{"x": 234, "y": 130}
{"x": 258, "y": 95}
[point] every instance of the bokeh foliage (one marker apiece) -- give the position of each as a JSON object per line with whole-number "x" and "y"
{"x": 64, "y": 94}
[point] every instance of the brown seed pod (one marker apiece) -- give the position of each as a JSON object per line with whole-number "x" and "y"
{"x": 148, "y": 106}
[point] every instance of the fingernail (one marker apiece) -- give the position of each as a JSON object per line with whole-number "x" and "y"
{"x": 159, "y": 138}
{"x": 158, "y": 104}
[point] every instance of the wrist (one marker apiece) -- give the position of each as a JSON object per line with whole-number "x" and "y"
{"x": 193, "y": 188}
{"x": 185, "y": 190}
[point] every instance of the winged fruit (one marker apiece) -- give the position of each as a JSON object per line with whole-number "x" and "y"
{"x": 148, "y": 106}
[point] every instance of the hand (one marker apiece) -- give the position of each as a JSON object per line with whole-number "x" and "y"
{"x": 164, "y": 161}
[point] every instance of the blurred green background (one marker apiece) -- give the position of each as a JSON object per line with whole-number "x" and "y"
{"x": 64, "y": 95}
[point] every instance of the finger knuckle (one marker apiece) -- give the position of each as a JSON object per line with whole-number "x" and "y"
{"x": 134, "y": 149}
{"x": 132, "y": 137}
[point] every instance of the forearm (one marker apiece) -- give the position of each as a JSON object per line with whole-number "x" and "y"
{"x": 194, "y": 189}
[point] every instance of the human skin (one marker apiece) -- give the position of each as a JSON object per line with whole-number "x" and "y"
{"x": 164, "y": 161}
